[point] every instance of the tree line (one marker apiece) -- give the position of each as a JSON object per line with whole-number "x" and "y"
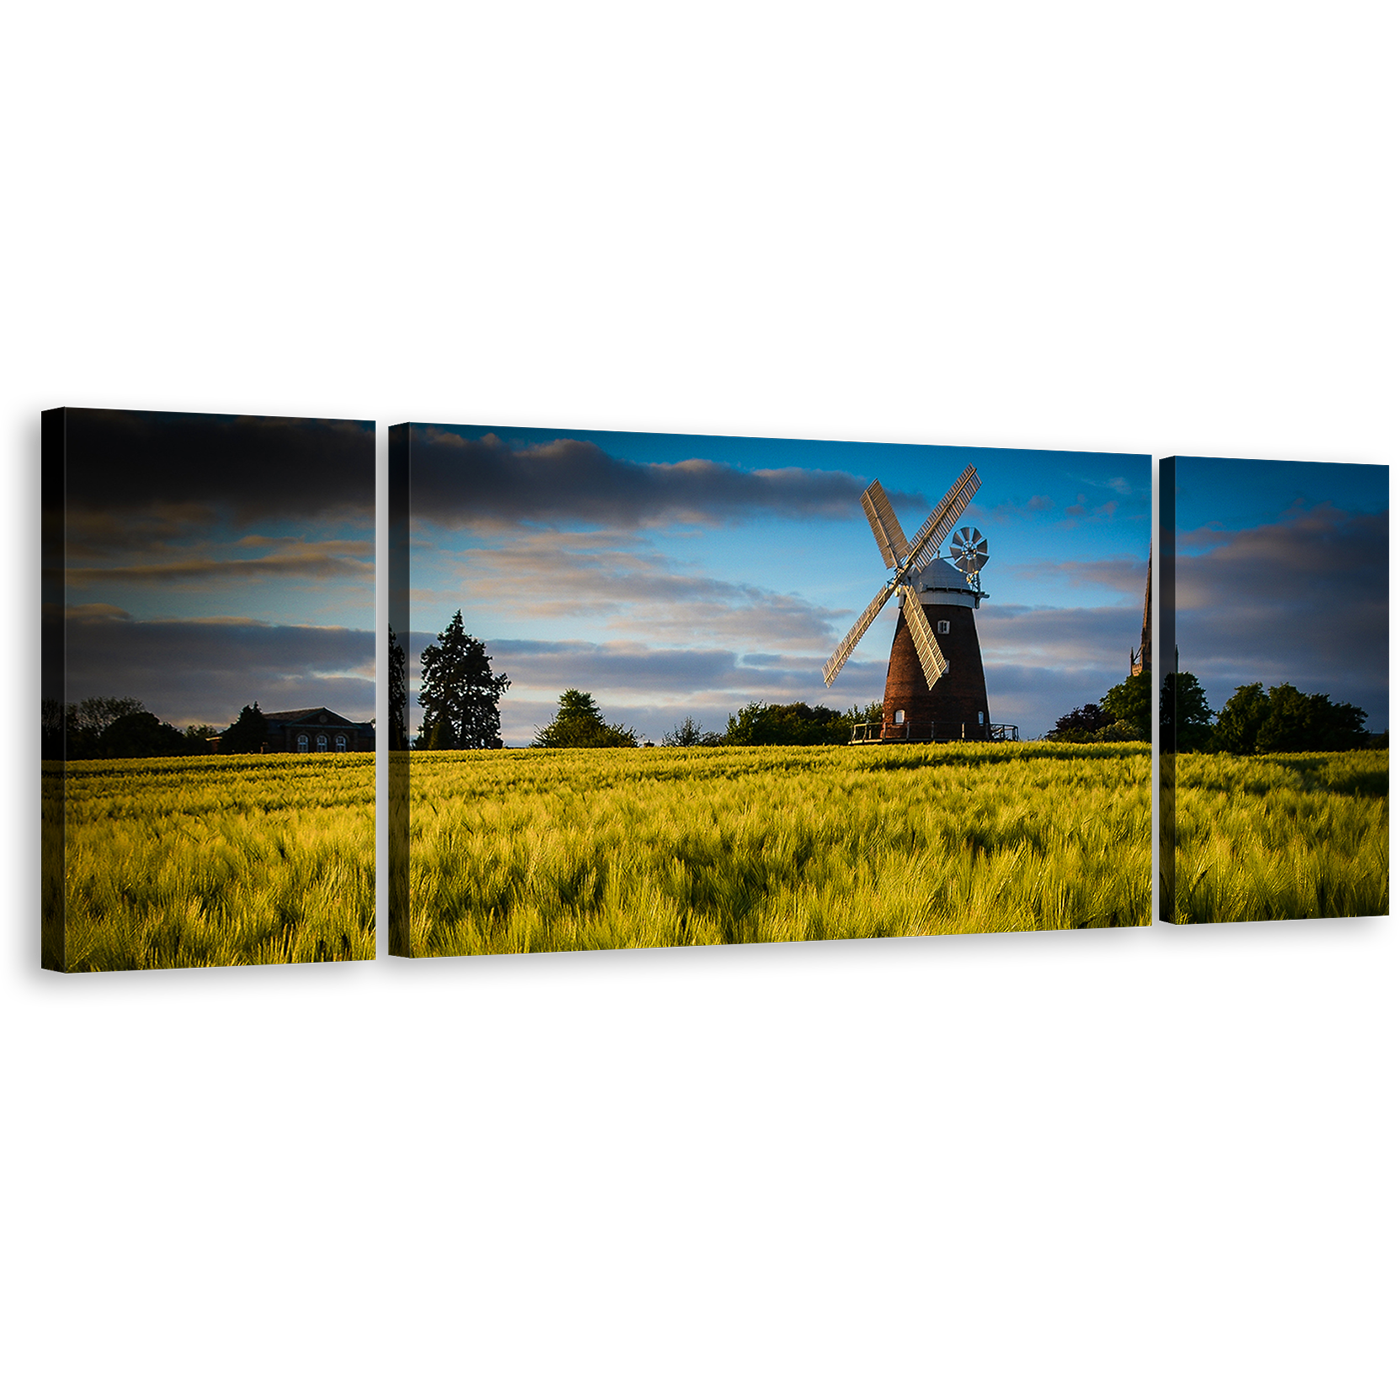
{"x": 104, "y": 726}
{"x": 1280, "y": 719}
{"x": 460, "y": 698}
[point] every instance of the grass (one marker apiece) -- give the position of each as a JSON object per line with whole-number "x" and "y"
{"x": 1285, "y": 836}
{"x": 213, "y": 861}
{"x": 520, "y": 851}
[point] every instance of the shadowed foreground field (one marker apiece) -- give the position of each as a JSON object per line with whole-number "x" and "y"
{"x": 528, "y": 851}
{"x": 210, "y": 861}
{"x": 1282, "y": 836}
{"x": 216, "y": 861}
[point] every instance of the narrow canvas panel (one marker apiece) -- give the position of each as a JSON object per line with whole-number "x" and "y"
{"x": 1275, "y": 703}
{"x": 208, "y": 689}
{"x": 607, "y": 708}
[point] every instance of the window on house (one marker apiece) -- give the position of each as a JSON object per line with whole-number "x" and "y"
{"x": 340, "y": 743}
{"x": 943, "y": 626}
{"x": 320, "y": 743}
{"x": 301, "y": 743}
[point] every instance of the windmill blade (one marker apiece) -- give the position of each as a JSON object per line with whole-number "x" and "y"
{"x": 884, "y": 525}
{"x": 840, "y": 655}
{"x": 931, "y": 656}
{"x": 935, "y": 529}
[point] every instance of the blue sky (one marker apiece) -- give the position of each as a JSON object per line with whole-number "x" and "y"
{"x": 675, "y": 575}
{"x": 1283, "y": 575}
{"x": 215, "y": 560}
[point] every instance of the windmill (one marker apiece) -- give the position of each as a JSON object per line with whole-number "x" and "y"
{"x": 935, "y": 687}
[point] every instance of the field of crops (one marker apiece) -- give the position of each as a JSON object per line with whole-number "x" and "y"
{"x": 216, "y": 861}
{"x": 526, "y": 851}
{"x": 1282, "y": 836}
{"x": 211, "y": 861}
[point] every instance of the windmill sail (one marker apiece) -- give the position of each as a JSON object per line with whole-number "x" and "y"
{"x": 884, "y": 525}
{"x": 935, "y": 529}
{"x": 931, "y": 656}
{"x": 839, "y": 656}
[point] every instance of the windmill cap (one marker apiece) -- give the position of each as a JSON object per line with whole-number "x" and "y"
{"x": 942, "y": 578}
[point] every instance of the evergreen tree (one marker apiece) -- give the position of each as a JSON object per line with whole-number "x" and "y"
{"x": 247, "y": 734}
{"x": 578, "y": 724}
{"x": 459, "y": 696}
{"x": 398, "y": 694}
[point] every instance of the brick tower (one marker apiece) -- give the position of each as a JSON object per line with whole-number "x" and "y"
{"x": 956, "y": 707}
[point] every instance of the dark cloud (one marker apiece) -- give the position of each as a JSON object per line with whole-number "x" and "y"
{"x": 458, "y": 479}
{"x": 204, "y": 672}
{"x": 1305, "y": 600}
{"x": 313, "y": 561}
{"x": 182, "y": 466}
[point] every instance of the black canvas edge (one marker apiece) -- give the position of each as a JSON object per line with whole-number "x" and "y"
{"x": 53, "y": 689}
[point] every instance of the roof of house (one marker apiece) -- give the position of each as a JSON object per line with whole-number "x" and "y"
{"x": 315, "y": 714}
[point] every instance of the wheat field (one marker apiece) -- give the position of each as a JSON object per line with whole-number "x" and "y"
{"x": 212, "y": 861}
{"x": 1282, "y": 836}
{"x": 217, "y": 861}
{"x": 519, "y": 851}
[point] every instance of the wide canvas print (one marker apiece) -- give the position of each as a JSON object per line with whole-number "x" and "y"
{"x": 1275, "y": 702}
{"x": 657, "y": 690}
{"x": 208, "y": 690}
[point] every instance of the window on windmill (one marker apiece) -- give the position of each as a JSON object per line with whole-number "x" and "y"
{"x": 979, "y": 717}
{"x": 899, "y": 716}
{"x": 943, "y": 626}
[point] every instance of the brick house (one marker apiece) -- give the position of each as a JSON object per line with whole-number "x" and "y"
{"x": 317, "y": 730}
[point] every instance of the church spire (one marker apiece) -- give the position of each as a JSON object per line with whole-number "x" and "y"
{"x": 1141, "y": 660}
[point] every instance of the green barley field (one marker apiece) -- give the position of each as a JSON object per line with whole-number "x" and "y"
{"x": 520, "y": 851}
{"x": 1282, "y": 836}
{"x": 212, "y": 861}
{"x": 216, "y": 861}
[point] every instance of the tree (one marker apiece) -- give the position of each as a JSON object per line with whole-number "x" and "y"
{"x": 1087, "y": 721}
{"x": 799, "y": 723}
{"x": 142, "y": 735}
{"x": 1185, "y": 716}
{"x": 1286, "y": 721}
{"x": 578, "y": 724}
{"x": 1241, "y": 719}
{"x": 247, "y": 734}
{"x": 459, "y": 696}
{"x": 1131, "y": 703}
{"x": 86, "y": 722}
{"x": 1299, "y": 723}
{"x": 687, "y": 734}
{"x": 398, "y": 694}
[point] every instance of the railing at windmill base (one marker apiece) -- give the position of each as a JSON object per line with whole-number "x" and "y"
{"x": 938, "y": 731}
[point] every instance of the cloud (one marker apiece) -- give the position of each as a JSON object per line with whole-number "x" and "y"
{"x": 177, "y": 467}
{"x": 315, "y": 561}
{"x": 1305, "y": 600}
{"x": 633, "y": 588}
{"x": 1122, "y": 573}
{"x": 458, "y": 479}
{"x": 205, "y": 671}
